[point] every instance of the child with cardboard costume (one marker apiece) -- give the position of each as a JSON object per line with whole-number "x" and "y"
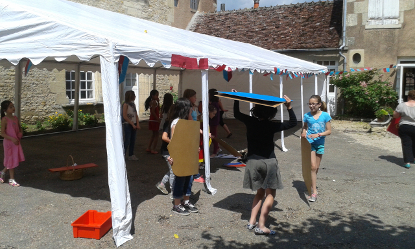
{"x": 184, "y": 136}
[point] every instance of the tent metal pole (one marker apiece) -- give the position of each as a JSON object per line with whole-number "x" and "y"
{"x": 76, "y": 103}
{"x": 180, "y": 90}
{"x": 302, "y": 101}
{"x": 400, "y": 85}
{"x": 117, "y": 173}
{"x": 18, "y": 90}
{"x": 250, "y": 91}
{"x": 315, "y": 84}
{"x": 327, "y": 95}
{"x": 205, "y": 114}
{"x": 282, "y": 116}
{"x": 155, "y": 79}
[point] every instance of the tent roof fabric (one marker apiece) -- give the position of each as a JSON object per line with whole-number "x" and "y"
{"x": 61, "y": 29}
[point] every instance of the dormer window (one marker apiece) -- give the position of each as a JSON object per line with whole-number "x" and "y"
{"x": 194, "y": 4}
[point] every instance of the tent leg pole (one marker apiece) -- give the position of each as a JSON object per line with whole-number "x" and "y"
{"x": 251, "y": 105}
{"x": 155, "y": 79}
{"x": 117, "y": 173}
{"x": 76, "y": 104}
{"x": 282, "y": 116}
{"x": 327, "y": 95}
{"x": 18, "y": 90}
{"x": 302, "y": 101}
{"x": 180, "y": 87}
{"x": 315, "y": 85}
{"x": 400, "y": 86}
{"x": 205, "y": 113}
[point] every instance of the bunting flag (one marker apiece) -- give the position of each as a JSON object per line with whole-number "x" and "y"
{"x": 27, "y": 67}
{"x": 227, "y": 75}
{"x": 189, "y": 63}
{"x": 220, "y": 68}
{"x": 122, "y": 68}
{"x": 292, "y": 75}
{"x": 250, "y": 72}
{"x": 271, "y": 77}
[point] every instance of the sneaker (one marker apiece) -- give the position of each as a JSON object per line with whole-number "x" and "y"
{"x": 312, "y": 198}
{"x": 190, "y": 207}
{"x": 132, "y": 158}
{"x": 200, "y": 179}
{"x": 13, "y": 183}
{"x": 250, "y": 226}
{"x": 162, "y": 188}
{"x": 180, "y": 210}
{"x": 407, "y": 165}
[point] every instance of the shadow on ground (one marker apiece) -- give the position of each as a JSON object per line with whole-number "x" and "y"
{"x": 328, "y": 230}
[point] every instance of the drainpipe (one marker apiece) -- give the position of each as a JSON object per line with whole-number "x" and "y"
{"x": 343, "y": 43}
{"x": 344, "y": 35}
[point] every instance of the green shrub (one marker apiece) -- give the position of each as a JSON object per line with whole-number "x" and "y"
{"x": 365, "y": 92}
{"x": 24, "y": 128}
{"x": 39, "y": 126}
{"x": 60, "y": 121}
{"x": 381, "y": 113}
{"x": 89, "y": 119}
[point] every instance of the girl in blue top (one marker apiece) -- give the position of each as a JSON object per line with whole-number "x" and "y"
{"x": 316, "y": 127}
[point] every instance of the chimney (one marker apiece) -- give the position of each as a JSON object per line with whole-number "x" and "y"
{"x": 222, "y": 7}
{"x": 256, "y": 4}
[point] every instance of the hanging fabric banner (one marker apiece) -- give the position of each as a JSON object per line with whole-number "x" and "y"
{"x": 27, "y": 67}
{"x": 227, "y": 75}
{"x": 122, "y": 68}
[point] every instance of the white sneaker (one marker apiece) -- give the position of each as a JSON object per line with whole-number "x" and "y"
{"x": 132, "y": 158}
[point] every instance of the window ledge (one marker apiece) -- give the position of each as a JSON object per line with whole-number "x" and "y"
{"x": 84, "y": 103}
{"x": 384, "y": 26}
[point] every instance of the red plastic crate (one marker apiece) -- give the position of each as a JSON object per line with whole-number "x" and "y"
{"x": 92, "y": 225}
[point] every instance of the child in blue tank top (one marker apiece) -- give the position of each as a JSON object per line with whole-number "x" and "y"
{"x": 316, "y": 127}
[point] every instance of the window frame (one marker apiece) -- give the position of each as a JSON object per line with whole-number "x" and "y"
{"x": 87, "y": 85}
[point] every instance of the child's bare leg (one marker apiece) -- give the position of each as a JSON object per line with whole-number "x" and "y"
{"x": 155, "y": 139}
{"x": 11, "y": 172}
{"x": 256, "y": 205}
{"x": 266, "y": 207}
{"x": 315, "y": 164}
{"x": 226, "y": 129}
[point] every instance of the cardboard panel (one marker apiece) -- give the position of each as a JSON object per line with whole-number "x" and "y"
{"x": 306, "y": 161}
{"x": 184, "y": 148}
{"x": 227, "y": 147}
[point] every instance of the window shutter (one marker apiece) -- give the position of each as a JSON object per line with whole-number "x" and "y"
{"x": 391, "y": 11}
{"x": 375, "y": 9}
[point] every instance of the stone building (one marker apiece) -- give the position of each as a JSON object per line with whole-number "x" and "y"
{"x": 381, "y": 33}
{"x": 46, "y": 92}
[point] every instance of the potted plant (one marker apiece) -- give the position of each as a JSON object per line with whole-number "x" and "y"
{"x": 380, "y": 114}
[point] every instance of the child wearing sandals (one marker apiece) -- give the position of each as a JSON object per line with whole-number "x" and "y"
{"x": 316, "y": 127}
{"x": 12, "y": 133}
{"x": 262, "y": 173}
{"x": 182, "y": 184}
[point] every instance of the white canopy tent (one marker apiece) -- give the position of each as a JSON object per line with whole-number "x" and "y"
{"x": 67, "y": 35}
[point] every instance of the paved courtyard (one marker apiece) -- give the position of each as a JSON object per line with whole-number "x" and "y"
{"x": 366, "y": 199}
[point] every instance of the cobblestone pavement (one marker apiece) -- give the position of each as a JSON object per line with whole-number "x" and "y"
{"x": 365, "y": 197}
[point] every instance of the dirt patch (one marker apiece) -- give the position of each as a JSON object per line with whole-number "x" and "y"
{"x": 364, "y": 134}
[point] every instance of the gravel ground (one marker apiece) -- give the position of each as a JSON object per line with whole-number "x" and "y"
{"x": 365, "y": 196}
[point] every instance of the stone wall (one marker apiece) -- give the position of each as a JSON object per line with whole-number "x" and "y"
{"x": 160, "y": 11}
